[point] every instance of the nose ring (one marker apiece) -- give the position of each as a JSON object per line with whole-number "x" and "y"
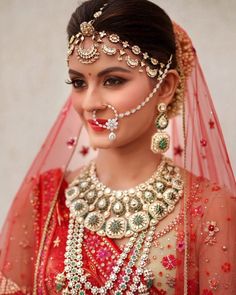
{"x": 111, "y": 124}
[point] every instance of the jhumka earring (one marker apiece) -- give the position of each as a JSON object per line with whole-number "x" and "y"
{"x": 161, "y": 140}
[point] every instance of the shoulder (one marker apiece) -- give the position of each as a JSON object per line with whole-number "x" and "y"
{"x": 209, "y": 194}
{"x": 210, "y": 204}
{"x": 208, "y": 200}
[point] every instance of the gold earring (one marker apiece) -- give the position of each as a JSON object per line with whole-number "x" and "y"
{"x": 161, "y": 140}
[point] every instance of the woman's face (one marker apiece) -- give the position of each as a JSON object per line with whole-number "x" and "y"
{"x": 113, "y": 82}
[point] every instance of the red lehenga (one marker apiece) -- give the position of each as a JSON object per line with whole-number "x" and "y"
{"x": 196, "y": 246}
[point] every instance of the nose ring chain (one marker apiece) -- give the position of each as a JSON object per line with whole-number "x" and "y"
{"x": 112, "y": 124}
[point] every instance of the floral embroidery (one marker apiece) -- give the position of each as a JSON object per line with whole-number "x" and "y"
{"x": 84, "y": 151}
{"x": 197, "y": 211}
{"x": 211, "y": 124}
{"x": 213, "y": 283}
{"x": 211, "y": 229}
{"x": 56, "y": 242}
{"x": 203, "y": 142}
{"x": 226, "y": 267}
{"x": 169, "y": 262}
{"x": 171, "y": 281}
{"x": 178, "y": 150}
{"x": 71, "y": 142}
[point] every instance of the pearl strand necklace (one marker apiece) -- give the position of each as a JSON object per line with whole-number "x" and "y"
{"x": 74, "y": 263}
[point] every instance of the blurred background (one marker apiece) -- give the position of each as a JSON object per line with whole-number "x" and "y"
{"x": 33, "y": 71}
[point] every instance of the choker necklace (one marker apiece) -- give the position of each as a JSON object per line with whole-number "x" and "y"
{"x": 118, "y": 214}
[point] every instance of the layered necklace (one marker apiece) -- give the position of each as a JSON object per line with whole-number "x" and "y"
{"x": 132, "y": 213}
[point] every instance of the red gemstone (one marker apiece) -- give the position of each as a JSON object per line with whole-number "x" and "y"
{"x": 211, "y": 227}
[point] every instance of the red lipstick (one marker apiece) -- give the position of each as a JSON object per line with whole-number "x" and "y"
{"x": 94, "y": 126}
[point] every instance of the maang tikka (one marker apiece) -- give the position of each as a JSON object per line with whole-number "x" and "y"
{"x": 161, "y": 140}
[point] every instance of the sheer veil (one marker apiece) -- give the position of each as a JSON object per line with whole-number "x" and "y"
{"x": 197, "y": 145}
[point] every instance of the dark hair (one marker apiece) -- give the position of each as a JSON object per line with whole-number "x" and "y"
{"x": 141, "y": 23}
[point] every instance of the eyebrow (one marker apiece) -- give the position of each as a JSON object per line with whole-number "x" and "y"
{"x": 103, "y": 72}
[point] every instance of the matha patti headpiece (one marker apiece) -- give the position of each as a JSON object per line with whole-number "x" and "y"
{"x": 185, "y": 55}
{"x": 89, "y": 55}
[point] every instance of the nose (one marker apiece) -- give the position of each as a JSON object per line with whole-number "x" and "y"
{"x": 92, "y": 100}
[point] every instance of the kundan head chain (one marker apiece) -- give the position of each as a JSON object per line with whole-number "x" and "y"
{"x": 152, "y": 67}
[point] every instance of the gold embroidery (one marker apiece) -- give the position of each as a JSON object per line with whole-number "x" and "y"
{"x": 7, "y": 286}
{"x": 56, "y": 242}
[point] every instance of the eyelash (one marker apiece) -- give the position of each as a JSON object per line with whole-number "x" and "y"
{"x": 73, "y": 83}
{"x": 116, "y": 81}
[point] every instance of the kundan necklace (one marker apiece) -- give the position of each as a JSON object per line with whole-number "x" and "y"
{"x": 118, "y": 214}
{"x": 132, "y": 213}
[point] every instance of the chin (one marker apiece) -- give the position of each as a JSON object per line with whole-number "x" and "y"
{"x": 100, "y": 142}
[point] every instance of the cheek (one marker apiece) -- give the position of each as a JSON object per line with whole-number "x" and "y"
{"x": 77, "y": 103}
{"x": 139, "y": 124}
{"x": 143, "y": 117}
{"x": 132, "y": 96}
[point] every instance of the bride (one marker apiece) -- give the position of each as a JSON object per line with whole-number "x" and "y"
{"x": 132, "y": 191}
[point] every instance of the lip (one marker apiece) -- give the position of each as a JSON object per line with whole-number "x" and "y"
{"x": 94, "y": 126}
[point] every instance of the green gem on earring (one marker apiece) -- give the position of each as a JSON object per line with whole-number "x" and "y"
{"x": 163, "y": 144}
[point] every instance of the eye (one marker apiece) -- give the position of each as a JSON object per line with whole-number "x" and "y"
{"x": 114, "y": 81}
{"x": 76, "y": 83}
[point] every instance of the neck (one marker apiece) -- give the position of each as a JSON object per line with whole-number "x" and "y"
{"x": 125, "y": 167}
